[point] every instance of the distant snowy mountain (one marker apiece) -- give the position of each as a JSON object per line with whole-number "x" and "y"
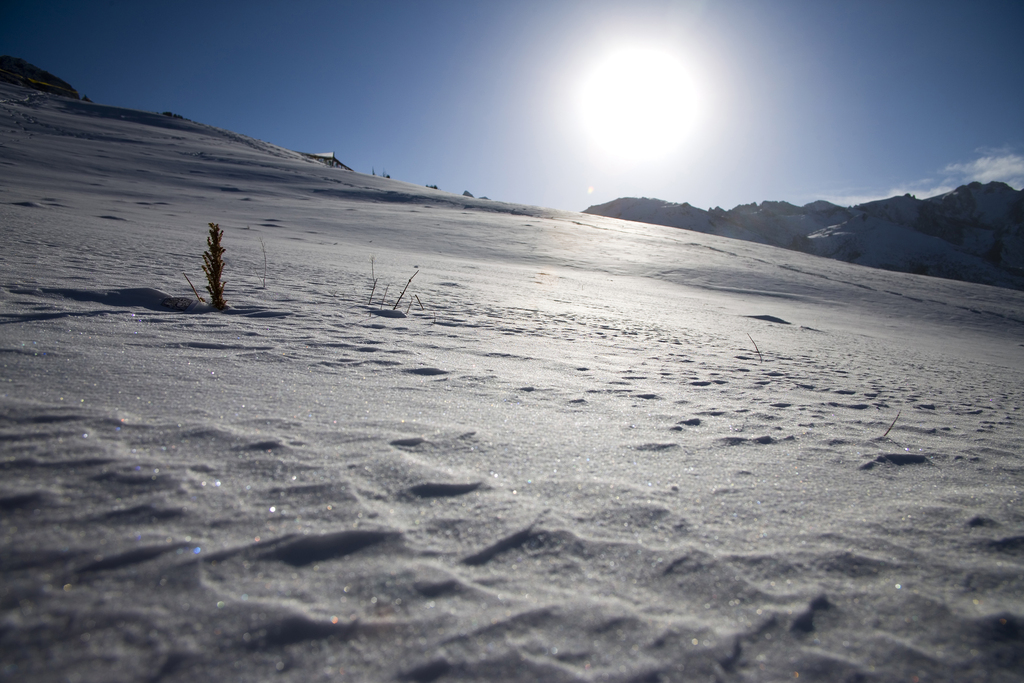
{"x": 975, "y": 233}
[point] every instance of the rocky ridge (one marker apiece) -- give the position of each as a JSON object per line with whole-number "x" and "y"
{"x": 19, "y": 72}
{"x": 974, "y": 233}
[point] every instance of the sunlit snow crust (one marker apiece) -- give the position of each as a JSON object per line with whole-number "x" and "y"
{"x": 567, "y": 462}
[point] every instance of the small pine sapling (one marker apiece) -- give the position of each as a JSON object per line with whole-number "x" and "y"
{"x": 213, "y": 266}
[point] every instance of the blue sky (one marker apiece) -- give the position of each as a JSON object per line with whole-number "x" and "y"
{"x": 792, "y": 100}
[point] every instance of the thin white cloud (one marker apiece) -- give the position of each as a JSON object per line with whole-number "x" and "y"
{"x": 921, "y": 189}
{"x": 1001, "y": 165}
{"x": 1007, "y": 168}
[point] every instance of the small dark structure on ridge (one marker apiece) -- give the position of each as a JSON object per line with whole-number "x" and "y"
{"x": 327, "y": 158}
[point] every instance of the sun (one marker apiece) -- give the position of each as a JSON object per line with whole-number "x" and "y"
{"x": 638, "y": 104}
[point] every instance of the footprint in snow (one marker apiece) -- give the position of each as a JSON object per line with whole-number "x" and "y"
{"x": 770, "y": 319}
{"x": 427, "y": 372}
{"x": 899, "y": 459}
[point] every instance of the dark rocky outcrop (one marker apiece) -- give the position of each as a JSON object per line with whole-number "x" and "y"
{"x": 19, "y": 72}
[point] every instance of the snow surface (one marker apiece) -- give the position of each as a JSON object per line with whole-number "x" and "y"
{"x": 571, "y": 464}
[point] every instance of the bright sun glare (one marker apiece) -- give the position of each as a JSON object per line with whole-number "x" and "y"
{"x": 638, "y": 104}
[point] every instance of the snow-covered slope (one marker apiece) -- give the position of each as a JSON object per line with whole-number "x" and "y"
{"x": 562, "y": 458}
{"x": 973, "y": 233}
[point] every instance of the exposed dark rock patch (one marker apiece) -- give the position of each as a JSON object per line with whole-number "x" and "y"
{"x": 19, "y": 72}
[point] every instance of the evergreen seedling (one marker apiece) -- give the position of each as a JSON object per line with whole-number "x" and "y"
{"x": 213, "y": 266}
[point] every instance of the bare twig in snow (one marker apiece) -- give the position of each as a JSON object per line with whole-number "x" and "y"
{"x": 892, "y": 425}
{"x": 403, "y": 291}
{"x": 194, "y": 288}
{"x": 755, "y": 347}
{"x": 264, "y": 247}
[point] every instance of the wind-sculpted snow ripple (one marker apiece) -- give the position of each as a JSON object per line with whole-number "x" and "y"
{"x": 309, "y": 549}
